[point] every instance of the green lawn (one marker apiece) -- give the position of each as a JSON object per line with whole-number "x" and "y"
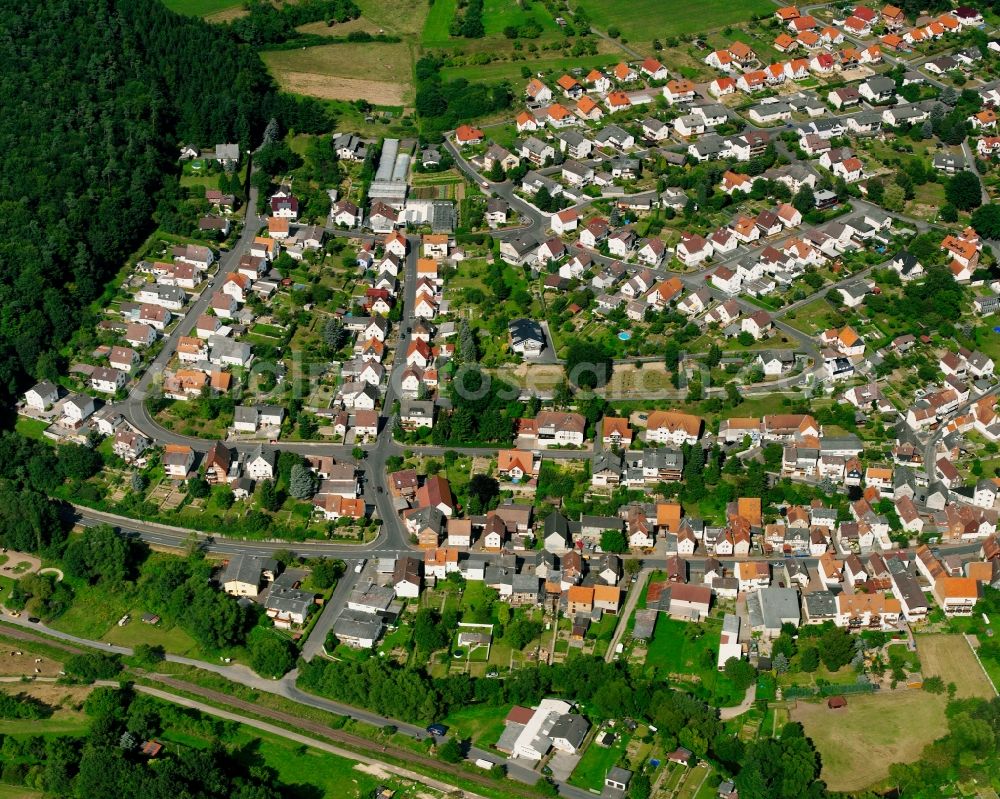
{"x": 674, "y": 651}
{"x": 816, "y": 315}
{"x": 17, "y": 792}
{"x": 94, "y": 611}
{"x": 61, "y": 722}
{"x": 207, "y": 181}
{"x": 482, "y": 723}
{"x": 593, "y": 766}
{"x": 645, "y": 19}
{"x": 436, "y": 27}
{"x": 498, "y": 14}
{"x": 200, "y": 8}
{"x": 310, "y": 772}
{"x": 172, "y": 638}
{"x": 31, "y": 428}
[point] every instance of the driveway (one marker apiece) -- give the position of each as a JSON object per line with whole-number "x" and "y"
{"x": 749, "y": 697}
{"x": 562, "y": 765}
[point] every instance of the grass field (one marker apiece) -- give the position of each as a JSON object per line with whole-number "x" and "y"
{"x": 482, "y": 723}
{"x": 858, "y": 743}
{"x": 310, "y": 772}
{"x": 404, "y": 19}
{"x": 593, "y": 766}
{"x": 642, "y": 20}
{"x": 813, "y": 316}
{"x": 172, "y": 639}
{"x": 499, "y": 14}
{"x": 949, "y": 657}
{"x": 378, "y": 72}
{"x": 64, "y": 719}
{"x": 305, "y": 772}
{"x": 17, "y": 792}
{"x": 31, "y": 428}
{"x": 200, "y": 8}
{"x": 435, "y": 32}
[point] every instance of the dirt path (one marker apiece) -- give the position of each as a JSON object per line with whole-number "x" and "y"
{"x": 626, "y": 611}
{"x": 16, "y": 559}
{"x": 749, "y": 697}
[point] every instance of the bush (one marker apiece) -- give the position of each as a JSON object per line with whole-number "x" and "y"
{"x": 93, "y": 666}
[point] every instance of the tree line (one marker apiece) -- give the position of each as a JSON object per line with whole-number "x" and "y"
{"x": 782, "y": 769}
{"x": 267, "y": 23}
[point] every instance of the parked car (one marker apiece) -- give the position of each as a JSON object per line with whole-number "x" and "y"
{"x": 437, "y": 729}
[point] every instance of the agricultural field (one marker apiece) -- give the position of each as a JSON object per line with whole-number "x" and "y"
{"x": 497, "y": 15}
{"x": 642, "y": 20}
{"x": 346, "y": 72}
{"x": 858, "y": 743}
{"x": 402, "y": 19}
{"x": 950, "y": 658}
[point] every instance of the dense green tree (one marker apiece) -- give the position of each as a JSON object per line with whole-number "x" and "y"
{"x": 450, "y": 751}
{"x": 836, "y": 648}
{"x": 521, "y": 632}
{"x": 324, "y": 572}
{"x": 271, "y": 654}
{"x": 588, "y": 364}
{"x": 740, "y": 672}
{"x": 964, "y": 191}
{"x": 986, "y": 221}
{"x": 302, "y": 482}
{"x": 614, "y": 541}
{"x": 93, "y": 666}
{"x": 334, "y": 334}
{"x": 99, "y": 554}
{"x": 267, "y": 495}
{"x": 429, "y": 634}
{"x": 804, "y": 200}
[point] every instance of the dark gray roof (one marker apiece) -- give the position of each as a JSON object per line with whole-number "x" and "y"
{"x": 820, "y": 604}
{"x": 247, "y": 569}
{"x": 289, "y": 600}
{"x": 524, "y": 330}
{"x": 572, "y": 727}
{"x": 355, "y": 624}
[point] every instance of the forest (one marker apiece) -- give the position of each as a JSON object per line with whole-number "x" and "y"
{"x": 97, "y": 97}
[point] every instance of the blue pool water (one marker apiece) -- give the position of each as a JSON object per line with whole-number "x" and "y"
{"x": 624, "y": 335}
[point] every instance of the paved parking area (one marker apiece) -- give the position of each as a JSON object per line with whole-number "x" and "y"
{"x": 562, "y": 765}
